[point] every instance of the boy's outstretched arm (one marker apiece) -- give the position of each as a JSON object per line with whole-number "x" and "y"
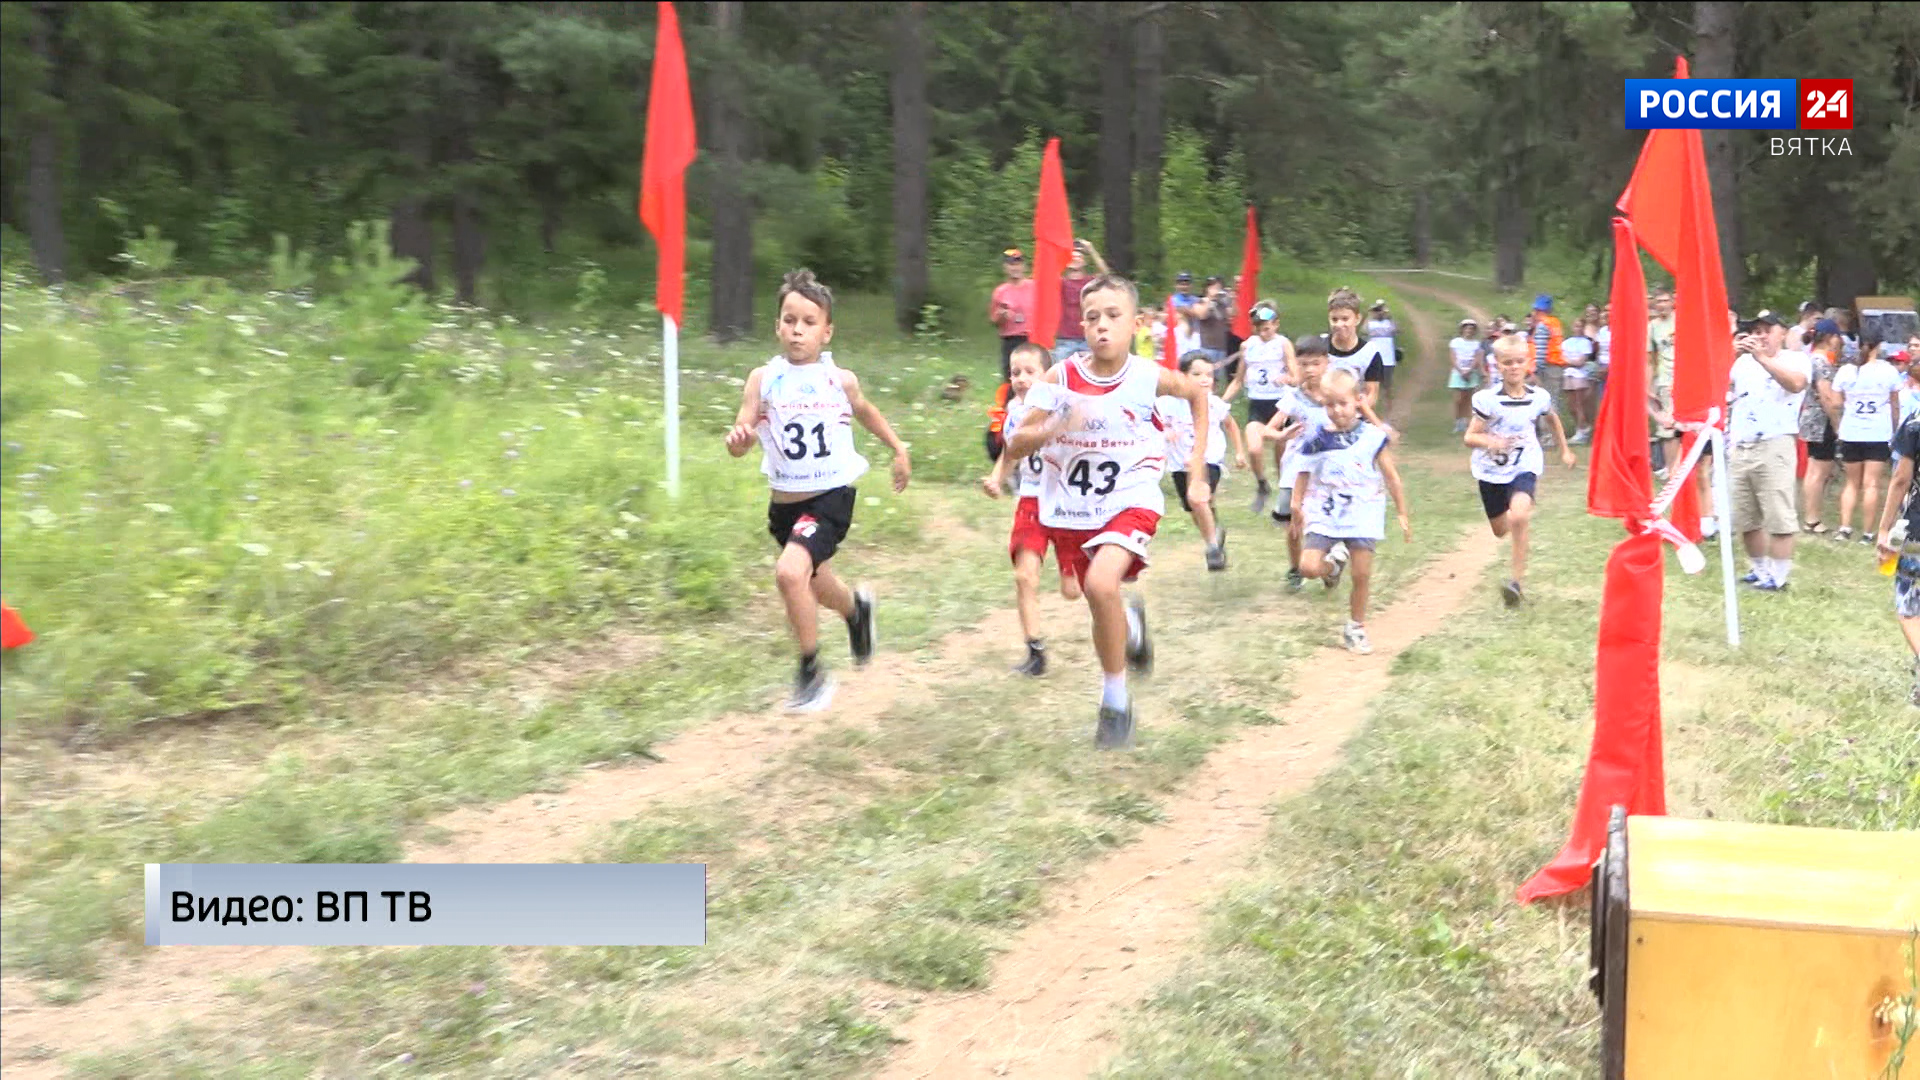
{"x": 1390, "y": 473}
{"x": 869, "y": 416}
{"x": 741, "y": 438}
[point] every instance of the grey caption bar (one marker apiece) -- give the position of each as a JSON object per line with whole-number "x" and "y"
{"x": 426, "y": 904}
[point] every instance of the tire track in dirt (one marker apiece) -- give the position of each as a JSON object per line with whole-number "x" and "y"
{"x": 1128, "y": 920}
{"x": 1125, "y": 924}
{"x": 167, "y": 986}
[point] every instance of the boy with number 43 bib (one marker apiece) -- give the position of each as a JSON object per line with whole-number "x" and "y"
{"x": 1507, "y": 457}
{"x": 801, "y": 408}
{"x": 1093, "y": 421}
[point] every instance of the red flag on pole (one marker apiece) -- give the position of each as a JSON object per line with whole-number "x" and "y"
{"x": 1617, "y": 480}
{"x": 1249, "y": 281}
{"x": 1624, "y": 765}
{"x": 1170, "y": 353}
{"x": 669, "y": 150}
{"x": 13, "y": 631}
{"x": 1052, "y": 247}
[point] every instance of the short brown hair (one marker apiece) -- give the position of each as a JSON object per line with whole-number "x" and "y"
{"x": 808, "y": 287}
{"x": 1110, "y": 281}
{"x": 1345, "y": 299}
{"x": 1028, "y": 348}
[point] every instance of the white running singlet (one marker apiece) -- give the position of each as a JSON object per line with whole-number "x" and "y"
{"x": 806, "y": 428}
{"x": 1115, "y": 459}
{"x": 1511, "y": 418}
{"x": 1346, "y": 494}
{"x": 1027, "y": 472}
{"x": 1265, "y": 363}
{"x": 1299, "y": 407}
{"x": 1868, "y": 388}
{"x": 1179, "y": 419}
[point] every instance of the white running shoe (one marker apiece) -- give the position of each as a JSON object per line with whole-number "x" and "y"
{"x": 1355, "y": 638}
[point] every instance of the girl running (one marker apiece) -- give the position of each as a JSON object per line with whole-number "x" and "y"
{"x": 1340, "y": 500}
{"x": 1507, "y": 456}
{"x": 1092, "y": 419}
{"x": 1180, "y": 435}
{"x": 1266, "y": 371}
{"x": 1464, "y": 378}
{"x": 801, "y": 407}
{"x": 1028, "y": 544}
{"x": 1868, "y": 396}
{"x": 1577, "y": 350}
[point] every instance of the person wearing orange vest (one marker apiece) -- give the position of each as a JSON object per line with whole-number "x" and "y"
{"x": 1550, "y": 367}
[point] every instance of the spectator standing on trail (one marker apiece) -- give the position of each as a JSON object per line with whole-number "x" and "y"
{"x": 1011, "y": 306}
{"x": 1819, "y": 425}
{"x": 1660, "y": 384}
{"x": 1900, "y": 542}
{"x": 1069, "y": 338}
{"x": 1381, "y": 329}
{"x": 1801, "y": 336}
{"x": 1766, "y": 386}
{"x": 1548, "y": 364}
{"x": 1183, "y": 296}
{"x": 1211, "y": 317}
{"x": 1577, "y": 350}
{"x": 1602, "y": 360}
{"x": 1867, "y": 394}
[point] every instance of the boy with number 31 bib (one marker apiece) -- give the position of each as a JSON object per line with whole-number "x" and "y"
{"x": 801, "y": 409}
{"x": 1092, "y": 419}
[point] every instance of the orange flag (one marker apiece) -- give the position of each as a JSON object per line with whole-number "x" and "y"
{"x": 1052, "y": 247}
{"x": 1249, "y": 285}
{"x": 13, "y": 632}
{"x": 670, "y": 149}
{"x": 1170, "y": 355}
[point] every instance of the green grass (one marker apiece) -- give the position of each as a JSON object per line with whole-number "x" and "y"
{"x": 1379, "y": 930}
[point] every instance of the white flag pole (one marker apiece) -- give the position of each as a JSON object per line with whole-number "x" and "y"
{"x": 1723, "y": 516}
{"x": 671, "y": 364}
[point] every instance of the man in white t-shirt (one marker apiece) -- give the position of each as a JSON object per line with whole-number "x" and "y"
{"x": 1764, "y": 392}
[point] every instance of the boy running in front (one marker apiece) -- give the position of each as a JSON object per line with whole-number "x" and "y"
{"x": 1340, "y": 500}
{"x": 1092, "y": 418}
{"x": 1028, "y": 544}
{"x": 1180, "y": 434}
{"x": 1304, "y": 412}
{"x": 801, "y": 408}
{"x": 1266, "y": 366}
{"x": 1507, "y": 457}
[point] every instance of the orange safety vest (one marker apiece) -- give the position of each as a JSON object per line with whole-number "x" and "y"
{"x": 997, "y": 416}
{"x": 1554, "y": 336}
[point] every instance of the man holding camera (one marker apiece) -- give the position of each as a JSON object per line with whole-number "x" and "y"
{"x": 1764, "y": 392}
{"x": 1071, "y": 336}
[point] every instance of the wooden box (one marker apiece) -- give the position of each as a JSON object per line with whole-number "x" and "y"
{"x": 1754, "y": 952}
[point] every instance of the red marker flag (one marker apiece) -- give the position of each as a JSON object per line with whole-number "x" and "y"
{"x": 1052, "y": 247}
{"x": 1249, "y": 285}
{"x": 1617, "y": 480}
{"x": 13, "y": 631}
{"x": 669, "y": 150}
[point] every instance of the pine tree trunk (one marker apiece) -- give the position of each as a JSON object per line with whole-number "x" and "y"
{"x": 1509, "y": 236}
{"x": 1422, "y": 229}
{"x": 44, "y": 226}
{"x": 469, "y": 247}
{"x": 412, "y": 228}
{"x": 1116, "y": 134}
{"x": 732, "y": 305}
{"x": 912, "y": 136}
{"x": 1716, "y": 36}
{"x": 1149, "y": 145}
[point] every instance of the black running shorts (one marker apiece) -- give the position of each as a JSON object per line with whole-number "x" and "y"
{"x": 818, "y": 524}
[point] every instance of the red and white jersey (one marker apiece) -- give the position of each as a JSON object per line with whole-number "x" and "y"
{"x": 1114, "y": 459}
{"x": 806, "y": 427}
{"x": 1026, "y": 471}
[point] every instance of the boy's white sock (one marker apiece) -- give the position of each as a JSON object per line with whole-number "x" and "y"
{"x": 1781, "y": 568}
{"x": 1113, "y": 691}
{"x": 1133, "y": 630}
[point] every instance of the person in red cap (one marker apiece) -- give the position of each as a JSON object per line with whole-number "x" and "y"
{"x": 1012, "y": 305}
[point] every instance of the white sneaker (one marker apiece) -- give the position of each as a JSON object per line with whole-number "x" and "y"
{"x": 1354, "y": 637}
{"x": 1337, "y": 556}
{"x": 1708, "y": 528}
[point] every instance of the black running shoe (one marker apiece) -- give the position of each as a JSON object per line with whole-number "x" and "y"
{"x": 1260, "y": 497}
{"x": 860, "y": 626}
{"x": 1217, "y": 551}
{"x": 1510, "y": 592}
{"x": 1139, "y": 653}
{"x": 1115, "y": 730}
{"x": 1294, "y": 581}
{"x": 1035, "y": 664}
{"x": 811, "y": 694}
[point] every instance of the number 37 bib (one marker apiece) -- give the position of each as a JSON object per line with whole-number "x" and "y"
{"x": 806, "y": 428}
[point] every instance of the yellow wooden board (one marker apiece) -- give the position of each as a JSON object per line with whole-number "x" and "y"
{"x": 1723, "y": 1001}
{"x": 1774, "y": 875}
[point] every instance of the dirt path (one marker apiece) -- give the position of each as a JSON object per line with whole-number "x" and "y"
{"x": 1130, "y": 919}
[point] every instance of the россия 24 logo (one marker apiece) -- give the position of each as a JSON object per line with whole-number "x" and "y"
{"x": 1763, "y": 104}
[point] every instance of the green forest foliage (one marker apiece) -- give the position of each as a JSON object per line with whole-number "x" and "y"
{"x": 1370, "y": 132}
